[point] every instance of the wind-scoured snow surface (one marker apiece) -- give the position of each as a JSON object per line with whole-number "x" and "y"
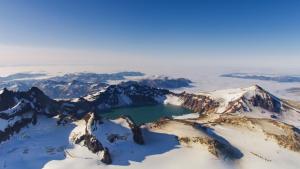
{"x": 163, "y": 150}
{"x": 35, "y": 146}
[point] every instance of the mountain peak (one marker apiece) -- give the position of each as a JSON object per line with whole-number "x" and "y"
{"x": 35, "y": 89}
{"x": 256, "y": 86}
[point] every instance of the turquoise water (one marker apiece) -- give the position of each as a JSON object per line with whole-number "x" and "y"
{"x": 146, "y": 114}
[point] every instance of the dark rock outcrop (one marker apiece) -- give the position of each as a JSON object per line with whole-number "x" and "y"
{"x": 267, "y": 102}
{"x": 198, "y": 103}
{"x": 92, "y": 143}
{"x": 106, "y": 157}
{"x": 136, "y": 93}
{"x": 7, "y": 99}
{"x": 136, "y": 131}
{"x": 257, "y": 97}
{"x": 16, "y": 128}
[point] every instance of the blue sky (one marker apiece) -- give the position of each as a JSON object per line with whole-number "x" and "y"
{"x": 202, "y": 31}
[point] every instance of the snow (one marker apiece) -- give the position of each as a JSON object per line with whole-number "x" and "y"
{"x": 259, "y": 152}
{"x": 187, "y": 116}
{"x": 160, "y": 150}
{"x": 174, "y": 159}
{"x": 224, "y": 97}
{"x": 5, "y": 123}
{"x": 49, "y": 146}
{"x": 173, "y": 100}
{"x": 14, "y": 109}
{"x": 33, "y": 147}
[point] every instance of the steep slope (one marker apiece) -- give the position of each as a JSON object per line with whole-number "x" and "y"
{"x": 128, "y": 94}
{"x": 254, "y": 101}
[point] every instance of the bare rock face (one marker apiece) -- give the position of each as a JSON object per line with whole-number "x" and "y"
{"x": 6, "y": 99}
{"x": 128, "y": 93}
{"x": 106, "y": 157}
{"x": 255, "y": 97}
{"x": 16, "y": 127}
{"x": 136, "y": 131}
{"x": 198, "y": 103}
{"x": 92, "y": 143}
{"x": 267, "y": 102}
{"x": 137, "y": 135}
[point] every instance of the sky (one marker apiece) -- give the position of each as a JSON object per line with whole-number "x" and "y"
{"x": 151, "y": 34}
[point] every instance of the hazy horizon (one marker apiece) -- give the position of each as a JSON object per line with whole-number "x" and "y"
{"x": 137, "y": 35}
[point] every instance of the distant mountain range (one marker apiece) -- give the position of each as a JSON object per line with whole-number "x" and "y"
{"x": 19, "y": 76}
{"x": 166, "y": 82}
{"x": 283, "y": 79}
{"x": 76, "y": 85}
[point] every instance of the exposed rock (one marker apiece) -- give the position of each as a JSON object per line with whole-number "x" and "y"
{"x": 62, "y": 119}
{"x": 7, "y": 99}
{"x": 92, "y": 143}
{"x": 136, "y": 130}
{"x": 137, "y": 135}
{"x": 210, "y": 143}
{"x": 15, "y": 128}
{"x": 106, "y": 157}
{"x": 79, "y": 139}
{"x": 289, "y": 138}
{"x": 166, "y": 82}
{"x": 266, "y": 101}
{"x": 255, "y": 97}
{"x": 114, "y": 137}
{"x": 215, "y": 147}
{"x": 198, "y": 103}
{"x": 128, "y": 94}
{"x": 159, "y": 123}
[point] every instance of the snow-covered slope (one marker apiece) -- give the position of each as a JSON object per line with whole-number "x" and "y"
{"x": 242, "y": 128}
{"x": 238, "y": 143}
{"x": 252, "y": 101}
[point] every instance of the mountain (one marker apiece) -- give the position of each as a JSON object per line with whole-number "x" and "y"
{"x": 95, "y": 77}
{"x": 129, "y": 94}
{"x": 67, "y": 86}
{"x": 233, "y": 128}
{"x": 276, "y": 78}
{"x": 166, "y": 82}
{"x": 20, "y": 76}
{"x": 293, "y": 90}
{"x": 75, "y": 85}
